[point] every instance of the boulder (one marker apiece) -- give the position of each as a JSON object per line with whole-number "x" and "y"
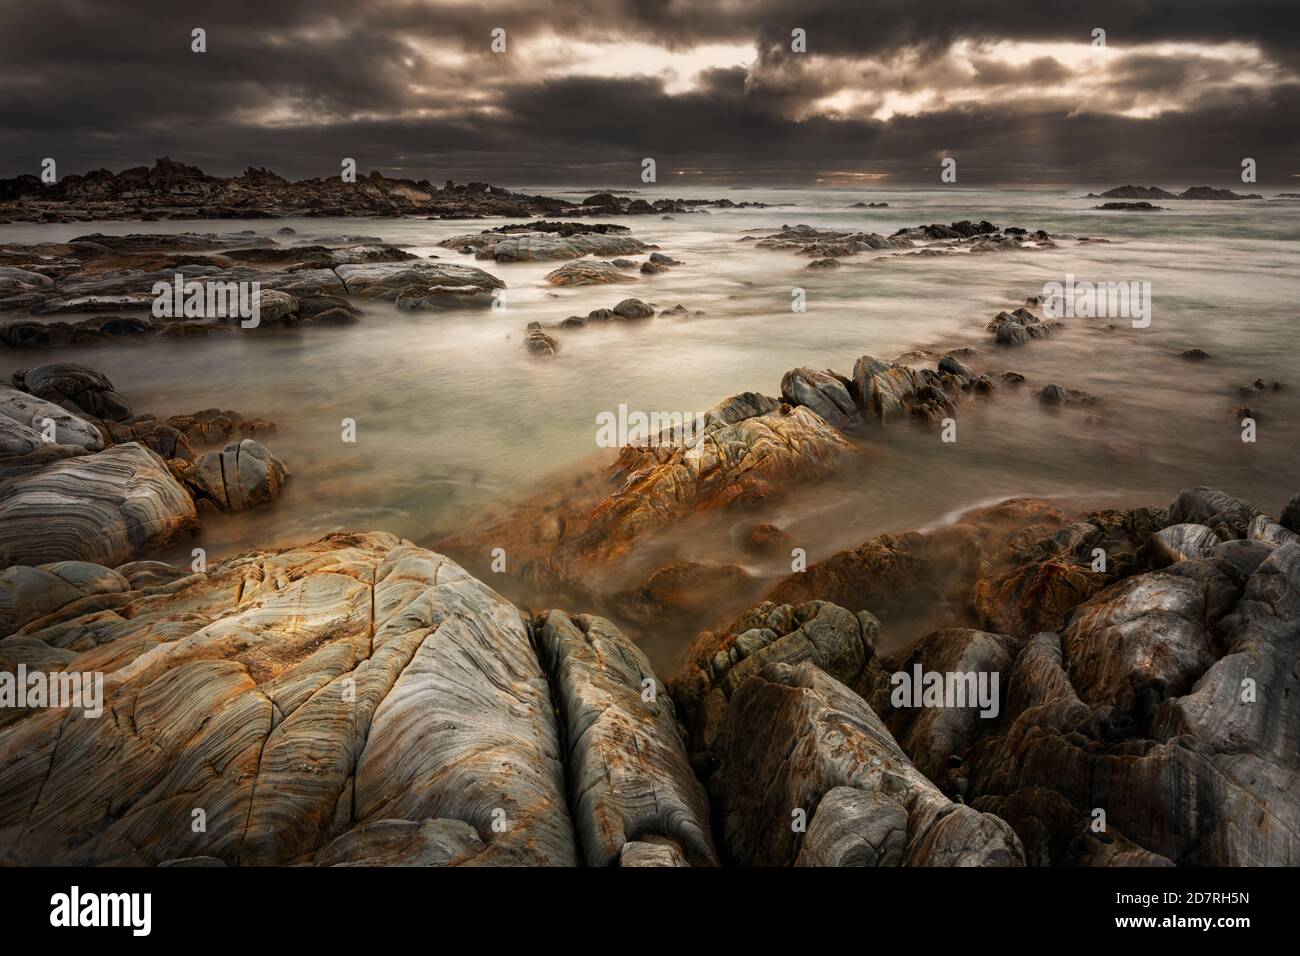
{"x": 107, "y": 508}
{"x": 240, "y": 476}
{"x": 825, "y": 393}
{"x": 23, "y": 426}
{"x": 387, "y": 281}
{"x": 588, "y": 273}
{"x": 1227, "y": 516}
{"x": 79, "y": 389}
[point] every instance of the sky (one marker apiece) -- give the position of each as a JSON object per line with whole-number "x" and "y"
{"x": 1019, "y": 93}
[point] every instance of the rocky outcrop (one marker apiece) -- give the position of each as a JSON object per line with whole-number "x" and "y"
{"x": 420, "y": 285}
{"x": 357, "y": 701}
{"x": 527, "y": 247}
{"x": 629, "y": 776}
{"x": 106, "y": 507}
{"x": 1161, "y": 724}
{"x": 538, "y": 341}
{"x": 1018, "y": 327}
{"x": 837, "y": 641}
{"x": 745, "y": 459}
{"x": 588, "y": 273}
{"x": 818, "y": 741}
{"x": 175, "y": 190}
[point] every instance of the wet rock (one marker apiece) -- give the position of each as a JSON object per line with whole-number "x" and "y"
{"x": 587, "y": 273}
{"x": 824, "y": 392}
{"x": 1061, "y": 396}
{"x": 107, "y": 508}
{"x": 1179, "y": 542}
{"x": 681, "y": 589}
{"x": 1194, "y": 355}
{"x": 1019, "y": 327}
{"x": 884, "y": 390}
{"x": 839, "y": 642}
{"x": 240, "y": 476}
{"x": 740, "y": 456}
{"x": 764, "y": 538}
{"x": 77, "y": 388}
{"x": 159, "y": 437}
{"x": 441, "y": 284}
{"x": 1227, "y": 516}
{"x": 633, "y": 309}
{"x": 540, "y": 342}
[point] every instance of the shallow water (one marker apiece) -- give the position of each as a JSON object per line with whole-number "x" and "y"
{"x": 452, "y": 413}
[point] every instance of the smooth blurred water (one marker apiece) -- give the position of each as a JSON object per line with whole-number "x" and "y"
{"x": 453, "y": 413}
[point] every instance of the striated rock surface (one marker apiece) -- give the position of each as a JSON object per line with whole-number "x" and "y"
{"x": 817, "y": 739}
{"x": 359, "y": 699}
{"x": 105, "y": 507}
{"x": 835, "y": 640}
{"x": 629, "y": 776}
{"x": 23, "y": 425}
{"x": 81, "y": 390}
{"x": 588, "y": 273}
{"x": 419, "y": 285}
{"x": 1169, "y": 704}
{"x": 355, "y": 702}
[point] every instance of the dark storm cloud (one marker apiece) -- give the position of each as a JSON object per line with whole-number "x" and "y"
{"x": 412, "y": 88}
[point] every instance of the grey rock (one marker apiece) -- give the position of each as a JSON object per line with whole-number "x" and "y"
{"x": 22, "y": 424}
{"x": 1178, "y": 542}
{"x": 79, "y": 389}
{"x": 824, "y": 392}
{"x": 630, "y": 778}
{"x": 854, "y": 827}
{"x": 106, "y": 508}
{"x": 240, "y": 476}
{"x": 817, "y": 736}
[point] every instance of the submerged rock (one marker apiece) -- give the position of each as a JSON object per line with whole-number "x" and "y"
{"x": 588, "y": 273}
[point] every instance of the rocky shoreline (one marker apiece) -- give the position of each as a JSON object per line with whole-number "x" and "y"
{"x": 173, "y": 190}
{"x": 364, "y": 700}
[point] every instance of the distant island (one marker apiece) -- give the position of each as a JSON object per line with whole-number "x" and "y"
{"x": 1155, "y": 192}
